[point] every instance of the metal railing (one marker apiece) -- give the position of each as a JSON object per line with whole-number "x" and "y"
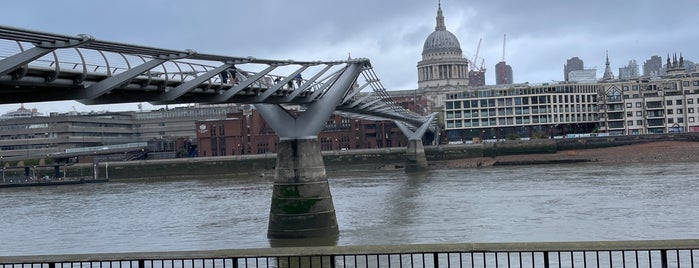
{"x": 653, "y": 253}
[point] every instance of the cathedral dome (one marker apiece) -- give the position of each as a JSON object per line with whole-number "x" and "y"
{"x": 441, "y": 40}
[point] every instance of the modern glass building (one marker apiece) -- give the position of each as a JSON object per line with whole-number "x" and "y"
{"x": 521, "y": 110}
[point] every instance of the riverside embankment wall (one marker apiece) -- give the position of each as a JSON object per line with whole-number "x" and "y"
{"x": 365, "y": 159}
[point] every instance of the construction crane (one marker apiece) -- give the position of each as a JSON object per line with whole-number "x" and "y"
{"x": 476, "y": 73}
{"x": 475, "y": 57}
{"x": 503, "y": 77}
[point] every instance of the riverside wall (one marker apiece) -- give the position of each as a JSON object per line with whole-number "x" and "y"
{"x": 364, "y": 159}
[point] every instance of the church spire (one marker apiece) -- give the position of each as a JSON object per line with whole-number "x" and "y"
{"x": 608, "y": 74}
{"x": 440, "y": 18}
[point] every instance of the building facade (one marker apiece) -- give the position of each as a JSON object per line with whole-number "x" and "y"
{"x": 40, "y": 136}
{"x": 572, "y": 64}
{"x": 520, "y": 110}
{"x": 629, "y": 71}
{"x": 246, "y": 132}
{"x": 647, "y": 106}
{"x": 653, "y": 67}
{"x": 503, "y": 73}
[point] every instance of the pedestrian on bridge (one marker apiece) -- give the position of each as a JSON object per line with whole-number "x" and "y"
{"x": 298, "y": 79}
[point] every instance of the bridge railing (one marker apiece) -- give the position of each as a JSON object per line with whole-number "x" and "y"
{"x": 85, "y": 62}
{"x": 654, "y": 253}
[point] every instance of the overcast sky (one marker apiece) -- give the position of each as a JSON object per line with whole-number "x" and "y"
{"x": 541, "y": 34}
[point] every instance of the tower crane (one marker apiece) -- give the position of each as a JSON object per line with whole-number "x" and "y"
{"x": 475, "y": 57}
{"x": 476, "y": 72}
{"x": 503, "y": 77}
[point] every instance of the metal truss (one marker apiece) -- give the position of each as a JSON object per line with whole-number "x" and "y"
{"x": 38, "y": 66}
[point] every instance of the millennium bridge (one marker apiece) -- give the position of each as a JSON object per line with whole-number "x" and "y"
{"x": 38, "y": 66}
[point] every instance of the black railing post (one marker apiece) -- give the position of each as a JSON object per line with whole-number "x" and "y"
{"x": 663, "y": 258}
{"x": 141, "y": 263}
{"x": 435, "y": 257}
{"x": 52, "y": 265}
{"x": 546, "y": 259}
{"x": 234, "y": 262}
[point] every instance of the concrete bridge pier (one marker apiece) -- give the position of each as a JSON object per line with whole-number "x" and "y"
{"x": 415, "y": 159}
{"x": 302, "y": 206}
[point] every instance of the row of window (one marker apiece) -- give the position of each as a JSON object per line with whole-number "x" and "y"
{"x": 577, "y": 89}
{"x": 519, "y": 120}
{"x": 521, "y": 111}
{"x": 505, "y": 102}
{"x": 660, "y": 113}
{"x": 670, "y": 121}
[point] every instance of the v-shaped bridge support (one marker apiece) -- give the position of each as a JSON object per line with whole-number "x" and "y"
{"x": 302, "y": 205}
{"x": 415, "y": 159}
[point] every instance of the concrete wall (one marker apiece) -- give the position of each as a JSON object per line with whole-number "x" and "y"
{"x": 365, "y": 159}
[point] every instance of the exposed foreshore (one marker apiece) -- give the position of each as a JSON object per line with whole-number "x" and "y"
{"x": 648, "y": 152}
{"x": 682, "y": 147}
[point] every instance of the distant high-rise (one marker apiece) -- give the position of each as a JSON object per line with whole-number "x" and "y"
{"x": 629, "y": 71}
{"x": 572, "y": 64}
{"x": 476, "y": 77}
{"x": 503, "y": 73}
{"x": 583, "y": 76}
{"x": 653, "y": 66}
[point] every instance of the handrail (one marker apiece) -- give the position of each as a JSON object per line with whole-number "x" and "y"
{"x": 529, "y": 247}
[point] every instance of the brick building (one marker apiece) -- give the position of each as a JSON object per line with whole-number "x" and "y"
{"x": 246, "y": 132}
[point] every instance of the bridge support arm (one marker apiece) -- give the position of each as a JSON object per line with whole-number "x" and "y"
{"x": 10, "y": 64}
{"x": 104, "y": 86}
{"x": 191, "y": 84}
{"x": 415, "y": 159}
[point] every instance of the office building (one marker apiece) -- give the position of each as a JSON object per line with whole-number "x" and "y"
{"x": 653, "y": 67}
{"x": 503, "y": 73}
{"x": 521, "y": 110}
{"x": 572, "y": 64}
{"x": 40, "y": 136}
{"x": 629, "y": 71}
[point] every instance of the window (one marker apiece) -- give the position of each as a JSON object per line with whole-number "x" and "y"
{"x": 695, "y": 83}
{"x": 639, "y": 122}
{"x": 691, "y": 119}
{"x": 626, "y": 88}
{"x": 670, "y": 120}
{"x": 669, "y": 111}
{"x": 679, "y": 111}
{"x": 690, "y": 101}
{"x": 629, "y": 114}
{"x": 638, "y": 105}
{"x": 639, "y": 113}
{"x": 629, "y": 123}
{"x": 678, "y": 102}
{"x": 629, "y": 105}
{"x": 685, "y": 83}
{"x": 634, "y": 87}
{"x": 690, "y": 110}
{"x": 668, "y": 102}
{"x": 680, "y": 120}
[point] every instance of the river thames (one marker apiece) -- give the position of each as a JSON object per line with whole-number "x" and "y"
{"x": 577, "y": 202}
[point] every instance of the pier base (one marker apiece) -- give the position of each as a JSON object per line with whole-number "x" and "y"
{"x": 302, "y": 206}
{"x": 415, "y": 159}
